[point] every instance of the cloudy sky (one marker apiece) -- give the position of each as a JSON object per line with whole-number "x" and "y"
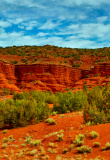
{"x": 65, "y": 23}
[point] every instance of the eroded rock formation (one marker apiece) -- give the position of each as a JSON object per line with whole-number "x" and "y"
{"x": 45, "y": 76}
{"x": 7, "y": 76}
{"x": 102, "y": 68}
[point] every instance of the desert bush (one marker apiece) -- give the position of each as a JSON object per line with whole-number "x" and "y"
{"x": 76, "y": 65}
{"x": 93, "y": 134}
{"x": 60, "y": 137}
{"x": 35, "y": 142}
{"x": 5, "y": 140}
{"x": 71, "y": 146}
{"x": 50, "y": 121}
{"x": 5, "y": 131}
{"x": 5, "y": 91}
{"x": 78, "y": 140}
{"x": 14, "y": 62}
{"x": 84, "y": 149}
{"x": 20, "y": 112}
{"x": 87, "y": 76}
{"x": 97, "y": 109}
{"x": 65, "y": 150}
{"x": 85, "y": 87}
{"x": 54, "y": 113}
{"x": 107, "y": 145}
{"x": 4, "y": 146}
{"x": 93, "y": 116}
{"x": 24, "y": 60}
{"x": 32, "y": 153}
{"x": 70, "y": 101}
{"x": 20, "y": 96}
{"x": 96, "y": 144}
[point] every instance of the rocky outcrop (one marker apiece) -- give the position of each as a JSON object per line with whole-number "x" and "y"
{"x": 7, "y": 76}
{"x": 45, "y": 76}
{"x": 49, "y": 77}
{"x": 102, "y": 68}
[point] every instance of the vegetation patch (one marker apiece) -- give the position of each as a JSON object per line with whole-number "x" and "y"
{"x": 84, "y": 149}
{"x": 50, "y": 121}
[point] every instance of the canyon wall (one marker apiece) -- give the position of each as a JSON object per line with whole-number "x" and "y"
{"x": 7, "y": 76}
{"x": 45, "y": 76}
{"x": 102, "y": 68}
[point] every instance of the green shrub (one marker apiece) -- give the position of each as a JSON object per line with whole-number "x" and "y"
{"x": 54, "y": 113}
{"x": 71, "y": 146}
{"x": 60, "y": 137}
{"x": 14, "y": 62}
{"x": 5, "y": 91}
{"x": 65, "y": 151}
{"x": 87, "y": 76}
{"x": 21, "y": 112}
{"x": 94, "y": 134}
{"x": 4, "y": 146}
{"x": 50, "y": 121}
{"x": 5, "y": 131}
{"x": 97, "y": 109}
{"x": 107, "y": 76}
{"x": 96, "y": 144}
{"x": 107, "y": 145}
{"x": 78, "y": 139}
{"x": 85, "y": 87}
{"x": 76, "y": 65}
{"x": 5, "y": 140}
{"x": 35, "y": 142}
{"x": 70, "y": 101}
{"x": 95, "y": 75}
{"x": 84, "y": 149}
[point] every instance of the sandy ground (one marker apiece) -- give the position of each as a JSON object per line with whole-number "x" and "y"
{"x": 70, "y": 124}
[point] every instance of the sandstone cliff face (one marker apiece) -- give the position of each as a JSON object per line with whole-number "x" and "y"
{"x": 7, "y": 76}
{"x": 47, "y": 77}
{"x": 102, "y": 68}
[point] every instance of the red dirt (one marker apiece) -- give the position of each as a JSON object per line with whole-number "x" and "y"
{"x": 39, "y": 131}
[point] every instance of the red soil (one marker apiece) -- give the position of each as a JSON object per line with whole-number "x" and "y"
{"x": 39, "y": 131}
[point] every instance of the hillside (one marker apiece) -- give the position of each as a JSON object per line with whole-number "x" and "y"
{"x": 70, "y": 120}
{"x": 70, "y": 125}
{"x": 51, "y": 68}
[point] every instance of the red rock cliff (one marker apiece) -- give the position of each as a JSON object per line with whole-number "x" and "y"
{"x": 45, "y": 76}
{"x": 49, "y": 77}
{"x": 102, "y": 68}
{"x": 7, "y": 76}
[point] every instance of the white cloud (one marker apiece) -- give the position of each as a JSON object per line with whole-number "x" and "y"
{"x": 42, "y": 34}
{"x": 4, "y": 24}
{"x": 73, "y": 26}
{"x": 28, "y": 25}
{"x": 28, "y": 3}
{"x": 18, "y": 39}
{"x": 102, "y": 19}
{"x": 31, "y": 25}
{"x": 93, "y": 30}
{"x": 49, "y": 25}
{"x": 90, "y": 30}
{"x": 16, "y": 20}
{"x": 85, "y": 2}
{"x": 67, "y": 23}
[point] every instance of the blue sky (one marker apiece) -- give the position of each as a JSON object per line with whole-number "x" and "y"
{"x": 65, "y": 23}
